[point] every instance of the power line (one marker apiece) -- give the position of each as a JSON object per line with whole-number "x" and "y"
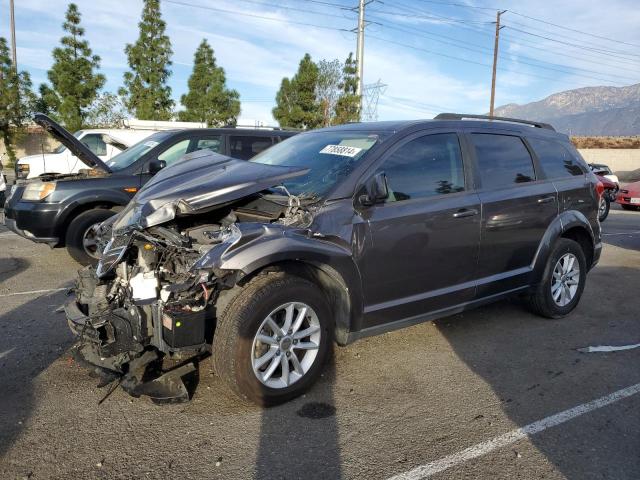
{"x": 465, "y": 60}
{"x": 293, "y": 9}
{"x": 462, "y": 23}
{"x": 535, "y": 19}
{"x": 252, "y": 15}
{"x": 612, "y": 53}
{"x": 516, "y": 58}
{"x": 574, "y": 30}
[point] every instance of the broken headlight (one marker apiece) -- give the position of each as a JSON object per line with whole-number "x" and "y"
{"x": 112, "y": 254}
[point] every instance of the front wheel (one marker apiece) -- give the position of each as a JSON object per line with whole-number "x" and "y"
{"x": 82, "y": 236}
{"x": 603, "y": 208}
{"x": 272, "y": 341}
{"x": 562, "y": 283}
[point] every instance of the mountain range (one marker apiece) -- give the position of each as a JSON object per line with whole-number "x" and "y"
{"x": 607, "y": 111}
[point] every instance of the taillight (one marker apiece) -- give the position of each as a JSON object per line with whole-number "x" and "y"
{"x": 599, "y": 188}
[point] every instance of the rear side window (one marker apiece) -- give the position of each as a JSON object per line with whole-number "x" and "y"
{"x": 555, "y": 159}
{"x": 212, "y": 143}
{"x": 423, "y": 167}
{"x": 503, "y": 160}
{"x": 246, "y": 147}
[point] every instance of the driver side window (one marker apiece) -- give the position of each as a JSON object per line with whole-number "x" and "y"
{"x": 425, "y": 166}
{"x": 175, "y": 152}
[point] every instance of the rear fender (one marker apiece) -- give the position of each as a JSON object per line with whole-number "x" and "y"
{"x": 561, "y": 224}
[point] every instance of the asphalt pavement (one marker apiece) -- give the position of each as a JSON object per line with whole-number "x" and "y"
{"x": 493, "y": 393}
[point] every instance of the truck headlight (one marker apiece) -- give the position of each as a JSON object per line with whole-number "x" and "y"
{"x": 38, "y": 191}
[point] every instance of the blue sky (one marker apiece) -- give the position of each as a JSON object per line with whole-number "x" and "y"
{"x": 434, "y": 55}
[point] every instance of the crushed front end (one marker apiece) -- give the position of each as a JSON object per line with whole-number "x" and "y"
{"x": 149, "y": 306}
{"x": 142, "y": 310}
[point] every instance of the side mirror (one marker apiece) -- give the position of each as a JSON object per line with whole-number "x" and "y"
{"x": 156, "y": 165}
{"x": 375, "y": 190}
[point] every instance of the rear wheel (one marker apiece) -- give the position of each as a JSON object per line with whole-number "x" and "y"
{"x": 273, "y": 338}
{"x": 603, "y": 208}
{"x": 563, "y": 281}
{"x": 82, "y": 240}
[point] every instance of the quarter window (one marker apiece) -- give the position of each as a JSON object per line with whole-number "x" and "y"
{"x": 503, "y": 160}
{"x": 423, "y": 167}
{"x": 555, "y": 159}
{"x": 246, "y": 147}
{"x": 175, "y": 152}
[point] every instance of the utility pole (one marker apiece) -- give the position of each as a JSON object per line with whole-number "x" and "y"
{"x": 360, "y": 48}
{"x": 495, "y": 61}
{"x": 13, "y": 36}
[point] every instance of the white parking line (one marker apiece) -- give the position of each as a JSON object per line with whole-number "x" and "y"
{"x": 33, "y": 292}
{"x": 513, "y": 436}
{"x": 6, "y": 234}
{"x": 623, "y": 233}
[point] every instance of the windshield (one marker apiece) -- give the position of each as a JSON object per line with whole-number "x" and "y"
{"x": 61, "y": 148}
{"x": 330, "y": 156}
{"x": 133, "y": 153}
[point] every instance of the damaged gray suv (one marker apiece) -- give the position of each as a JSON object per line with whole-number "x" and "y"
{"x": 332, "y": 235}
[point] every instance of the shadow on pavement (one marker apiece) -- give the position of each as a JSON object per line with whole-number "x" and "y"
{"x": 31, "y": 338}
{"x": 300, "y": 438}
{"x": 10, "y": 267}
{"x": 546, "y": 375}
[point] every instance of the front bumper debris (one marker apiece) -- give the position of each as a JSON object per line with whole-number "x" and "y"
{"x": 110, "y": 355}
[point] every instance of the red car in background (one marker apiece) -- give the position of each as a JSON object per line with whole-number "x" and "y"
{"x": 629, "y": 196}
{"x": 608, "y": 196}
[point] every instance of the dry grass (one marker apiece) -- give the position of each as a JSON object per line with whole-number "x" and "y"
{"x": 606, "y": 142}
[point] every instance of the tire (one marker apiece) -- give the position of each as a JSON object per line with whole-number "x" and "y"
{"x": 76, "y": 231}
{"x": 236, "y": 348}
{"x": 541, "y": 300}
{"x": 603, "y": 208}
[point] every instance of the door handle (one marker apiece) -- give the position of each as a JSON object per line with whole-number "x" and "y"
{"x": 546, "y": 200}
{"x": 465, "y": 212}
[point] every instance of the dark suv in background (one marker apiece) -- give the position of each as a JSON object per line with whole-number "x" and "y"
{"x": 65, "y": 210}
{"x": 338, "y": 233}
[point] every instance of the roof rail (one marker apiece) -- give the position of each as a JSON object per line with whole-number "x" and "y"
{"x": 257, "y": 126}
{"x": 462, "y": 116}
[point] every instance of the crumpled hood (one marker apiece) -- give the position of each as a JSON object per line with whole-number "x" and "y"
{"x": 200, "y": 180}
{"x": 76, "y": 147}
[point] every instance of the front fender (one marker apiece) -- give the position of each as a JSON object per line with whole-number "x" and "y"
{"x": 257, "y": 246}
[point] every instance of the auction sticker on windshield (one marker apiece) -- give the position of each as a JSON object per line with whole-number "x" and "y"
{"x": 342, "y": 150}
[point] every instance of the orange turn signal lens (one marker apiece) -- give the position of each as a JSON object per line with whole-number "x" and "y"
{"x": 131, "y": 189}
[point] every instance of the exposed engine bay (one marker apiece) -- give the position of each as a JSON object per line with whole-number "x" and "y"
{"x": 151, "y": 302}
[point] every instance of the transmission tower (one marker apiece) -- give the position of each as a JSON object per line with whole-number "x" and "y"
{"x": 370, "y": 95}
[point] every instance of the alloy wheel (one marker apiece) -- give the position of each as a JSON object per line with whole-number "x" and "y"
{"x": 566, "y": 279}
{"x": 90, "y": 241}
{"x": 286, "y": 345}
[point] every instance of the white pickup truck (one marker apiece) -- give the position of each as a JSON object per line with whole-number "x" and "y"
{"x": 104, "y": 143}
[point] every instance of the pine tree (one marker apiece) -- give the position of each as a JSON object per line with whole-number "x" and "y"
{"x": 296, "y": 103}
{"x": 146, "y": 92}
{"x": 348, "y": 105}
{"x": 16, "y": 100}
{"x": 329, "y": 88}
{"x": 208, "y": 100}
{"x": 74, "y": 84}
